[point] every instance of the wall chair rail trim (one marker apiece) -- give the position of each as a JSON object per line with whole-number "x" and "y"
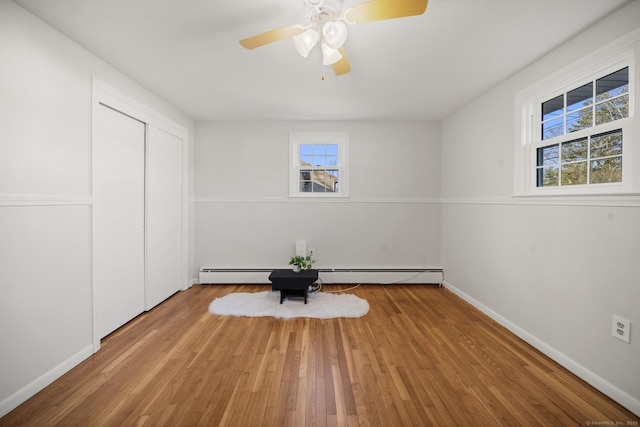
{"x": 363, "y": 200}
{"x": 14, "y": 200}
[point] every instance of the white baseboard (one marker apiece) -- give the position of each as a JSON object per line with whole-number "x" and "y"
{"x": 623, "y": 398}
{"x": 381, "y": 277}
{"x": 22, "y": 395}
{"x": 235, "y": 277}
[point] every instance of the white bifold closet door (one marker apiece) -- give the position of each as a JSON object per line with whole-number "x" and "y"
{"x": 137, "y": 209}
{"x": 164, "y": 216}
{"x": 118, "y": 219}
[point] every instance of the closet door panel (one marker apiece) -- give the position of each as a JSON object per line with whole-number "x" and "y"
{"x": 164, "y": 216}
{"x": 118, "y": 212}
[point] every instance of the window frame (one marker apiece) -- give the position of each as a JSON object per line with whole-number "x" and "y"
{"x": 611, "y": 58}
{"x": 296, "y": 139}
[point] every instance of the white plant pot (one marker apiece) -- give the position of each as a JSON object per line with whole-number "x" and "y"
{"x": 295, "y": 268}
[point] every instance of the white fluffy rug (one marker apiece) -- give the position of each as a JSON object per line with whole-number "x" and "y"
{"x": 320, "y": 305}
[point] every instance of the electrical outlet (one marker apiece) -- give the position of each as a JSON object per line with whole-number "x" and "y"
{"x": 621, "y": 328}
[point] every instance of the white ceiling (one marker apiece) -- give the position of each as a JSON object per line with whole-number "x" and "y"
{"x": 423, "y": 67}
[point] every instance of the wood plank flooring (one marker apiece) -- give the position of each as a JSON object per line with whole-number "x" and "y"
{"x": 420, "y": 357}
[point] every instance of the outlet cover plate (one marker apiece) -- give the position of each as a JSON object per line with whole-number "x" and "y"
{"x": 621, "y": 328}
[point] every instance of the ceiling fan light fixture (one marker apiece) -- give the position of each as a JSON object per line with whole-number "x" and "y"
{"x": 305, "y": 41}
{"x": 334, "y": 33}
{"x": 327, "y": 27}
{"x": 330, "y": 55}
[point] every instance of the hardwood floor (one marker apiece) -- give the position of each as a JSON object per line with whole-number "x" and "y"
{"x": 420, "y": 357}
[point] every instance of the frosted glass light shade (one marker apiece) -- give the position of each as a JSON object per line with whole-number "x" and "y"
{"x": 330, "y": 55}
{"x": 335, "y": 33}
{"x": 305, "y": 41}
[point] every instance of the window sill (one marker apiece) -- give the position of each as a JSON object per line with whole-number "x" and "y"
{"x": 318, "y": 196}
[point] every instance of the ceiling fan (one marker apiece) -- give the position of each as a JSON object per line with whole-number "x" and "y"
{"x": 328, "y": 27}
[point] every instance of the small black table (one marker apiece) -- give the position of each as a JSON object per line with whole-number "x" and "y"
{"x": 290, "y": 283}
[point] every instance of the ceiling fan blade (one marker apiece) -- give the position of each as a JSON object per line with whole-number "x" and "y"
{"x": 271, "y": 36}
{"x": 342, "y": 66}
{"x": 378, "y": 10}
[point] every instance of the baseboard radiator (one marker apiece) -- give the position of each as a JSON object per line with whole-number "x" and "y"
{"x": 385, "y": 276}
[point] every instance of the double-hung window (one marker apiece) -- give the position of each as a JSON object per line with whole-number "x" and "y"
{"x": 577, "y": 127}
{"x": 582, "y": 133}
{"x": 318, "y": 164}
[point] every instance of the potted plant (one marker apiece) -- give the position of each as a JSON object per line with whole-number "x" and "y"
{"x": 300, "y": 262}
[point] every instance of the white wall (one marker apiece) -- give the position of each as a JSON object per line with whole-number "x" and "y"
{"x": 45, "y": 199}
{"x": 245, "y": 218}
{"x": 555, "y": 273}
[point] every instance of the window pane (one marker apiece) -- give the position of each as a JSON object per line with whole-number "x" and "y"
{"x": 331, "y": 161}
{"x": 553, "y": 128}
{"x": 305, "y": 181}
{"x": 306, "y": 160}
{"x": 553, "y": 107}
{"x": 547, "y": 176}
{"x": 606, "y": 144}
{"x": 548, "y": 155}
{"x": 332, "y": 149}
{"x": 318, "y": 149}
{"x": 574, "y": 173}
{"x": 329, "y": 186}
{"x": 613, "y": 109}
{"x": 574, "y": 150}
{"x": 579, "y": 98}
{"x": 315, "y": 177}
{"x": 306, "y": 149}
{"x": 332, "y": 179}
{"x": 305, "y": 187}
{"x": 318, "y": 186}
{"x": 580, "y": 119}
{"x": 612, "y": 85}
{"x": 606, "y": 170}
